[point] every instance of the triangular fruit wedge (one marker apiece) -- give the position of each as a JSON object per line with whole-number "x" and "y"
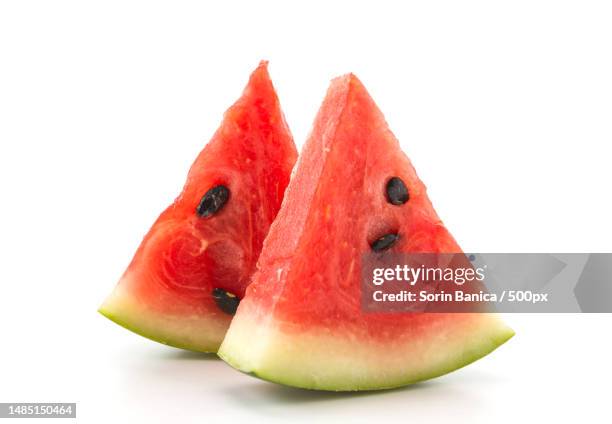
{"x": 192, "y": 268}
{"x": 301, "y": 322}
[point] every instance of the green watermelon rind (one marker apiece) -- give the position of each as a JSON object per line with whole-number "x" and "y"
{"x": 487, "y": 345}
{"x": 134, "y": 328}
{"x": 124, "y": 311}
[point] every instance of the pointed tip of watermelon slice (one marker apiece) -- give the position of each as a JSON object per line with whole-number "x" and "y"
{"x": 260, "y": 75}
{"x": 350, "y": 81}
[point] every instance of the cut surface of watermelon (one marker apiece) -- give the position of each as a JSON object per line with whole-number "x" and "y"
{"x": 193, "y": 266}
{"x": 301, "y": 322}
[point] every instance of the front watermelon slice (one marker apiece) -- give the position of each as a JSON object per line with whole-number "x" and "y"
{"x": 301, "y": 322}
{"x": 192, "y": 268}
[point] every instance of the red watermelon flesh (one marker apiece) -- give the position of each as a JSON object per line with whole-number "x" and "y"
{"x": 197, "y": 259}
{"x": 301, "y": 322}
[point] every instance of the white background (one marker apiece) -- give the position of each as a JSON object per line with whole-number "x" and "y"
{"x": 504, "y": 107}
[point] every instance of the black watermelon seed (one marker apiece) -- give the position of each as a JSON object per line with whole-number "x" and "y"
{"x": 397, "y": 192}
{"x": 226, "y": 301}
{"x": 385, "y": 242}
{"x": 213, "y": 201}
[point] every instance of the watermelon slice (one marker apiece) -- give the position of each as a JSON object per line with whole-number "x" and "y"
{"x": 301, "y": 322}
{"x": 185, "y": 281}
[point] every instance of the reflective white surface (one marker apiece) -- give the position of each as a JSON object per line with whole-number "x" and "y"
{"x": 504, "y": 109}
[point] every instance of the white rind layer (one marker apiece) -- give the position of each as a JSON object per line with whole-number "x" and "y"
{"x": 329, "y": 360}
{"x": 195, "y": 332}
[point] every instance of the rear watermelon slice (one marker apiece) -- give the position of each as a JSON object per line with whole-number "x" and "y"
{"x": 185, "y": 281}
{"x": 301, "y": 322}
